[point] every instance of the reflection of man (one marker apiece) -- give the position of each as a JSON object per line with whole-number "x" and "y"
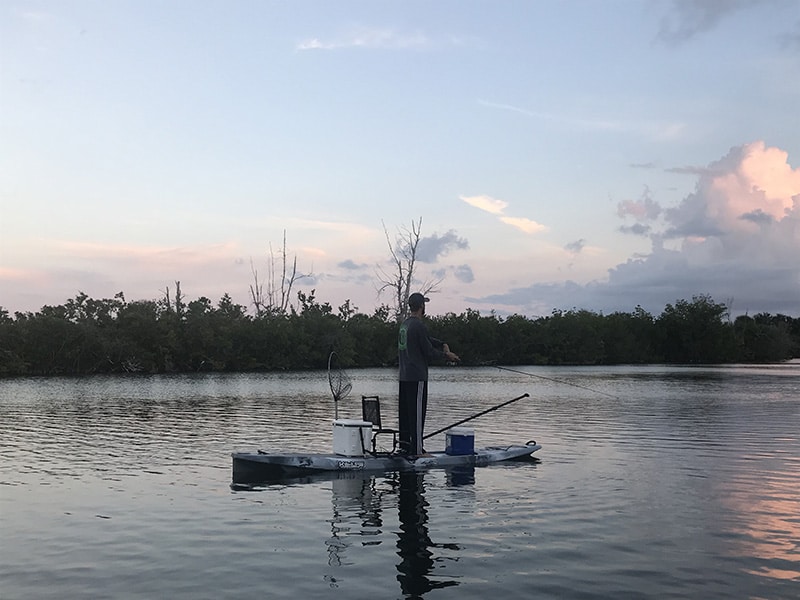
{"x": 413, "y": 543}
{"x": 416, "y": 349}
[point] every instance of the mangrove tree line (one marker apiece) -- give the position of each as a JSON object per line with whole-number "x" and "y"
{"x": 111, "y": 335}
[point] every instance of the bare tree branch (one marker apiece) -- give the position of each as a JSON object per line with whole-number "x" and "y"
{"x": 257, "y": 292}
{"x": 401, "y": 279}
{"x": 279, "y": 283}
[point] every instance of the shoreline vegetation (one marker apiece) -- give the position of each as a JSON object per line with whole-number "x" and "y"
{"x": 87, "y": 336}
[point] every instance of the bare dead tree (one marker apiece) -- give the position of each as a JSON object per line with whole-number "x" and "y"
{"x": 257, "y": 292}
{"x": 401, "y": 278}
{"x": 179, "y": 297}
{"x": 280, "y": 280}
{"x": 280, "y": 294}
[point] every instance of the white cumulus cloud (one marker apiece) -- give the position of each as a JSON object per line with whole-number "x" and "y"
{"x": 487, "y": 203}
{"x": 736, "y": 238}
{"x": 497, "y": 207}
{"x": 523, "y": 224}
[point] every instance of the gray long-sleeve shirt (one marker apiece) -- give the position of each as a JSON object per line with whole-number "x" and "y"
{"x": 416, "y": 349}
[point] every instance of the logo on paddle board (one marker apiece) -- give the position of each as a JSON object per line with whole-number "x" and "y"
{"x": 351, "y": 465}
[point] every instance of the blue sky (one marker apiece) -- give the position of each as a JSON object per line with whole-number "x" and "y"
{"x": 573, "y": 154}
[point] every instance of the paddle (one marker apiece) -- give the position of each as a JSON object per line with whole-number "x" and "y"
{"x": 475, "y": 416}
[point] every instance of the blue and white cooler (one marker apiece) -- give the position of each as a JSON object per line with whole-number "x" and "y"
{"x": 460, "y": 441}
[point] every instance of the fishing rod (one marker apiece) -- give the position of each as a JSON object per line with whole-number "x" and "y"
{"x": 583, "y": 387}
{"x": 475, "y": 416}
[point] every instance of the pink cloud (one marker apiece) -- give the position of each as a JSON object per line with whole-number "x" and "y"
{"x": 487, "y": 203}
{"x": 7, "y": 274}
{"x": 739, "y": 239}
{"x": 523, "y": 224}
{"x": 142, "y": 272}
{"x": 751, "y": 181}
{"x": 759, "y": 180}
{"x": 643, "y": 209}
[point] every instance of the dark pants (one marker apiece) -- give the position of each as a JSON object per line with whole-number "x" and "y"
{"x": 413, "y": 405}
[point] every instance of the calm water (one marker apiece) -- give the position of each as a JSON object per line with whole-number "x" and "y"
{"x": 684, "y": 484}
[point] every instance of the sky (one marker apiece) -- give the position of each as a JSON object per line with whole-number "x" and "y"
{"x": 561, "y": 155}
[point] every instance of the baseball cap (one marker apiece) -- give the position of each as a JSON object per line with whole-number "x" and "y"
{"x": 416, "y": 300}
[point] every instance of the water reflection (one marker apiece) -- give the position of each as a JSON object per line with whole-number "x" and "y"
{"x": 354, "y": 498}
{"x": 414, "y": 545}
{"x": 766, "y": 529}
{"x": 359, "y": 507}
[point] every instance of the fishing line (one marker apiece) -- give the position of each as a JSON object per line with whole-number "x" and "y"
{"x": 577, "y": 385}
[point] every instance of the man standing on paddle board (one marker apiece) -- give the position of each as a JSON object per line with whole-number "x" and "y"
{"x": 416, "y": 349}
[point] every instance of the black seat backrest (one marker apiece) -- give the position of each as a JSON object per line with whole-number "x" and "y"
{"x": 371, "y": 410}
